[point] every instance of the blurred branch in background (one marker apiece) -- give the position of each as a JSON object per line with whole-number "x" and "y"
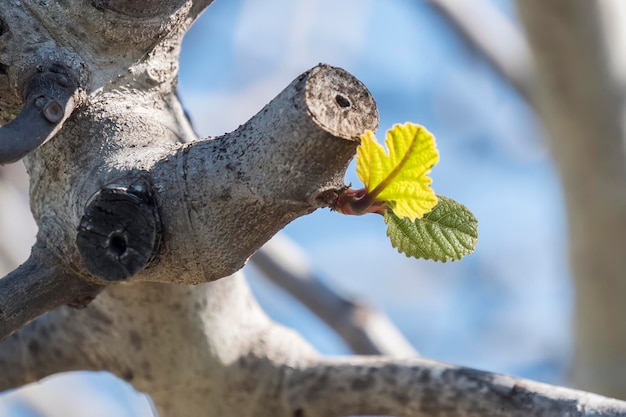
{"x": 364, "y": 329}
{"x": 20, "y": 225}
{"x": 495, "y": 37}
{"x": 581, "y": 65}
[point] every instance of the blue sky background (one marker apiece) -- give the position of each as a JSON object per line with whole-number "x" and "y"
{"x": 507, "y": 307}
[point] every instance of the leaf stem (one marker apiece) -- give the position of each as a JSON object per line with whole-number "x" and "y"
{"x": 359, "y": 202}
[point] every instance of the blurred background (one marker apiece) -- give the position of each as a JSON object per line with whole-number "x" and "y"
{"x": 506, "y": 308}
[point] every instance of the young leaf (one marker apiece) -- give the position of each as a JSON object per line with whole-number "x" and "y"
{"x": 400, "y": 178}
{"x": 447, "y": 233}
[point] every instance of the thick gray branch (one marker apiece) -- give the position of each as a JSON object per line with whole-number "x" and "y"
{"x": 204, "y": 350}
{"x": 219, "y": 200}
{"x": 208, "y": 350}
{"x": 426, "y": 388}
{"x": 222, "y": 199}
{"x": 36, "y": 287}
{"x": 365, "y": 330}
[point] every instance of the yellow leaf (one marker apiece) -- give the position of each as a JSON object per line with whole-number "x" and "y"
{"x": 399, "y": 178}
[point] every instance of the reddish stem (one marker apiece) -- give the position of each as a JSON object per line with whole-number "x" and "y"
{"x": 359, "y": 202}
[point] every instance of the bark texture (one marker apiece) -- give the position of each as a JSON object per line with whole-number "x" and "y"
{"x": 208, "y": 350}
{"x": 218, "y": 200}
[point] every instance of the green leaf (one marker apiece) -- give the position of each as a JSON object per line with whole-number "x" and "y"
{"x": 447, "y": 233}
{"x": 399, "y": 178}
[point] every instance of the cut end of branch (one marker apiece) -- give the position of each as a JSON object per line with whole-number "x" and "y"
{"x": 340, "y": 103}
{"x": 120, "y": 232}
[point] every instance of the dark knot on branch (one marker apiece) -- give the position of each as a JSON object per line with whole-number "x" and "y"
{"x": 120, "y": 231}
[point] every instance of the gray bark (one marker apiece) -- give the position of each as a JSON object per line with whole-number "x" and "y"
{"x": 204, "y": 349}
{"x": 209, "y": 350}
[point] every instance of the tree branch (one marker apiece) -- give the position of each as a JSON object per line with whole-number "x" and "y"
{"x": 208, "y": 350}
{"x": 365, "y": 330}
{"x": 578, "y": 46}
{"x": 36, "y": 287}
{"x": 305, "y": 138}
{"x": 48, "y": 103}
{"x": 508, "y": 52}
{"x": 285, "y": 162}
{"x": 425, "y": 388}
{"x": 204, "y": 350}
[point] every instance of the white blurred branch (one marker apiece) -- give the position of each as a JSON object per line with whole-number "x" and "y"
{"x": 16, "y": 221}
{"x": 579, "y": 50}
{"x": 365, "y": 330}
{"x": 495, "y": 37}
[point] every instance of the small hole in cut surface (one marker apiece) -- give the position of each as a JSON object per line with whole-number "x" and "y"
{"x": 118, "y": 244}
{"x": 342, "y": 101}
